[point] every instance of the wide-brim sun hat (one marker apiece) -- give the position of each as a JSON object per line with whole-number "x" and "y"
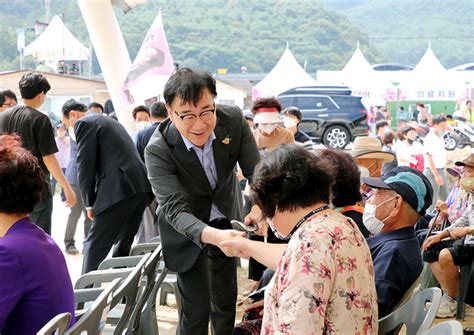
{"x": 267, "y": 115}
{"x": 369, "y": 147}
{"x": 468, "y": 161}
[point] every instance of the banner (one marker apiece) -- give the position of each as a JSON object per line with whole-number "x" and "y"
{"x": 151, "y": 68}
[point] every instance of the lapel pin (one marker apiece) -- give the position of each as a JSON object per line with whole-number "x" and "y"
{"x": 226, "y": 140}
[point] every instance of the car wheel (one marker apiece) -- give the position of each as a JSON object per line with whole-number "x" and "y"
{"x": 450, "y": 142}
{"x": 336, "y": 137}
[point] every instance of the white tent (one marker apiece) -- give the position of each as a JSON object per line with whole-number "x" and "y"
{"x": 357, "y": 64}
{"x": 286, "y": 74}
{"x": 363, "y": 80}
{"x": 57, "y": 43}
{"x": 430, "y": 80}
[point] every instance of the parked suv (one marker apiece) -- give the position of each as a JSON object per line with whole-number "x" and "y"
{"x": 331, "y": 115}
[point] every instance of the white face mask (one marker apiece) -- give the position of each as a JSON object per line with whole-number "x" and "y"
{"x": 373, "y": 225}
{"x": 72, "y": 134}
{"x": 289, "y": 122}
{"x": 140, "y": 125}
{"x": 267, "y": 128}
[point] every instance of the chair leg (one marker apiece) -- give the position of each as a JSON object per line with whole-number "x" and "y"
{"x": 163, "y": 295}
{"x": 462, "y": 289}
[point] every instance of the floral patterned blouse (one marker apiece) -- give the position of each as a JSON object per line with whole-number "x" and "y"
{"x": 324, "y": 283}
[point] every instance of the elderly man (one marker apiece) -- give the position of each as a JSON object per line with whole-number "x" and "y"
{"x": 191, "y": 161}
{"x": 446, "y": 268}
{"x": 400, "y": 198}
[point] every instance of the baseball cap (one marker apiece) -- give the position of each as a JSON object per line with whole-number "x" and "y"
{"x": 409, "y": 183}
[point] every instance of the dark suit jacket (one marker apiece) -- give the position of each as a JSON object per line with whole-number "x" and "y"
{"x": 109, "y": 168}
{"x": 143, "y": 137}
{"x": 183, "y": 191}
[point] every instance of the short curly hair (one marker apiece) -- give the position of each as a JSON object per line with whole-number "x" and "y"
{"x": 266, "y": 103}
{"x": 346, "y": 189}
{"x": 22, "y": 182}
{"x": 288, "y": 178}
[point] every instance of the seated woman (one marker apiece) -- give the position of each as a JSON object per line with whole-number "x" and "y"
{"x": 345, "y": 191}
{"x": 35, "y": 285}
{"x": 324, "y": 280}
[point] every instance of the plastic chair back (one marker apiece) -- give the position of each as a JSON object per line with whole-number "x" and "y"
{"x": 143, "y": 248}
{"x": 152, "y": 267}
{"x": 452, "y": 327}
{"x": 93, "y": 320}
{"x": 415, "y": 314}
{"x": 128, "y": 291}
{"x": 120, "y": 262}
{"x": 56, "y": 325}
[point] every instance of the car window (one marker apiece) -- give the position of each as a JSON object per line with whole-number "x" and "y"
{"x": 347, "y": 101}
{"x": 285, "y": 102}
{"x": 315, "y": 103}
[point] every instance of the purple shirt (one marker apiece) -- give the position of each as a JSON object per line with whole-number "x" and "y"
{"x": 34, "y": 280}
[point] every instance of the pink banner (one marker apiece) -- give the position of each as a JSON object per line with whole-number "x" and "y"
{"x": 151, "y": 67}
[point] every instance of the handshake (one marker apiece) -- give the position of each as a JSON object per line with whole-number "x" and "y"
{"x": 234, "y": 242}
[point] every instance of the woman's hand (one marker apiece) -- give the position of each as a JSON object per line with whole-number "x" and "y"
{"x": 255, "y": 217}
{"x": 236, "y": 247}
{"x": 442, "y": 207}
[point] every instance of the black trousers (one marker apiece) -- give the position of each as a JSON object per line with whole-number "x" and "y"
{"x": 208, "y": 290}
{"x": 115, "y": 226}
{"x": 42, "y": 214}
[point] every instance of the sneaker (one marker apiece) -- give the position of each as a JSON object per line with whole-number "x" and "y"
{"x": 71, "y": 249}
{"x": 447, "y": 308}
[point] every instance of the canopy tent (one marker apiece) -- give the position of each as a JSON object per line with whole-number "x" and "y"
{"x": 57, "y": 43}
{"x": 364, "y": 81}
{"x": 430, "y": 80}
{"x": 286, "y": 74}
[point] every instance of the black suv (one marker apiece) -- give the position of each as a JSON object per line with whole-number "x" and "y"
{"x": 331, "y": 115}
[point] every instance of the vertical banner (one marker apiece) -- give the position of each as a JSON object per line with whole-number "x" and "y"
{"x": 151, "y": 68}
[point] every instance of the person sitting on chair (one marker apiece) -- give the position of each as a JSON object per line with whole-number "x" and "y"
{"x": 35, "y": 285}
{"x": 400, "y": 198}
{"x": 446, "y": 268}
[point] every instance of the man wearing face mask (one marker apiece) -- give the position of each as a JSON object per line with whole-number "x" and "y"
{"x": 269, "y": 134}
{"x": 435, "y": 159}
{"x": 400, "y": 198}
{"x": 141, "y": 117}
{"x": 292, "y": 119}
{"x": 446, "y": 268}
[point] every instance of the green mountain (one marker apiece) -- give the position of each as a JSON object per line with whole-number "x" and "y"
{"x": 401, "y": 30}
{"x": 212, "y": 34}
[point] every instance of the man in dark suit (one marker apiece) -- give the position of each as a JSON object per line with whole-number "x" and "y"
{"x": 112, "y": 180}
{"x": 191, "y": 161}
{"x": 158, "y": 113}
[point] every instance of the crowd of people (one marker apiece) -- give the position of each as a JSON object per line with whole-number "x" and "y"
{"x": 334, "y": 239}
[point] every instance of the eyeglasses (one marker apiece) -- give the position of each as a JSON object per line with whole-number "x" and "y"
{"x": 190, "y": 119}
